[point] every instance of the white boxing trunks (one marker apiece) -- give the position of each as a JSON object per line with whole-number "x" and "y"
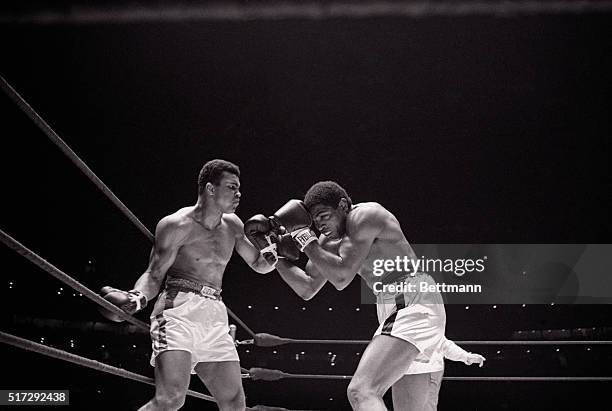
{"x": 189, "y": 316}
{"x": 413, "y": 315}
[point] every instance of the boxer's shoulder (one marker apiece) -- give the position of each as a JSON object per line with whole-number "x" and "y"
{"x": 182, "y": 218}
{"x": 370, "y": 207}
{"x": 234, "y": 223}
{"x": 366, "y": 215}
{"x": 177, "y": 224}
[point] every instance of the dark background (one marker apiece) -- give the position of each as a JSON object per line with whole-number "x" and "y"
{"x": 472, "y": 129}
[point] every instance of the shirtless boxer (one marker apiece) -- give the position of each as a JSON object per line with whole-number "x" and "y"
{"x": 352, "y": 237}
{"x": 189, "y": 325}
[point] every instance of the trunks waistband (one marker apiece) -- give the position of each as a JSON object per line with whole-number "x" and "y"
{"x": 183, "y": 284}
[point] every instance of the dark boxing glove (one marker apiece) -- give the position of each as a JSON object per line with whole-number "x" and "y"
{"x": 295, "y": 219}
{"x": 129, "y": 301}
{"x": 291, "y": 217}
{"x": 258, "y": 230}
{"x": 272, "y": 246}
{"x": 287, "y": 248}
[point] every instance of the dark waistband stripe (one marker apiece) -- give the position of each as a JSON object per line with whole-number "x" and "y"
{"x": 185, "y": 285}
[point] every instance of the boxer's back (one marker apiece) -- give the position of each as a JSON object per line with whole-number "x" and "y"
{"x": 389, "y": 244}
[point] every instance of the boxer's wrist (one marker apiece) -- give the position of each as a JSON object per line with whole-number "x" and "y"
{"x": 270, "y": 254}
{"x": 303, "y": 237}
{"x": 138, "y": 301}
{"x": 284, "y": 263}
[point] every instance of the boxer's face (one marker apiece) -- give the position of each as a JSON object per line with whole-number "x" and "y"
{"x": 226, "y": 194}
{"x": 329, "y": 220}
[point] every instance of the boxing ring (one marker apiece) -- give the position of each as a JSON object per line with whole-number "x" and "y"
{"x": 257, "y": 339}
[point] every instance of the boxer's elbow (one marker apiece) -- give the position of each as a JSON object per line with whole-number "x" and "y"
{"x": 307, "y": 294}
{"x": 261, "y": 266}
{"x": 341, "y": 283}
{"x": 342, "y": 278}
{"x": 267, "y": 269}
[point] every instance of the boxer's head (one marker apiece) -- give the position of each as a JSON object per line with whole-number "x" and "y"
{"x": 328, "y": 204}
{"x": 219, "y": 181}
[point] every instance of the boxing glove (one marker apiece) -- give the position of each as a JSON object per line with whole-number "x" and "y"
{"x": 129, "y": 301}
{"x": 286, "y": 247}
{"x": 258, "y": 230}
{"x": 290, "y": 217}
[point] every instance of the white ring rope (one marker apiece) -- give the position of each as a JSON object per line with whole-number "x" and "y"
{"x": 66, "y": 279}
{"x": 275, "y": 375}
{"x": 56, "y": 139}
{"x": 71, "y": 282}
{"x": 85, "y": 362}
{"x": 271, "y": 340}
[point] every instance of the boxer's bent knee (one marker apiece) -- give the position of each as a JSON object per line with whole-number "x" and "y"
{"x": 169, "y": 401}
{"x": 234, "y": 401}
{"x": 360, "y": 391}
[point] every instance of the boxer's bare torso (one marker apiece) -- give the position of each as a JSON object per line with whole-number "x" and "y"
{"x": 202, "y": 252}
{"x": 197, "y": 242}
{"x": 389, "y": 244}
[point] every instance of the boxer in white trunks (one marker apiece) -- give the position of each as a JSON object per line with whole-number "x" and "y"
{"x": 189, "y": 325}
{"x": 352, "y": 238}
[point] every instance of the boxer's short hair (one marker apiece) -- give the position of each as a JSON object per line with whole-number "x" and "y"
{"x": 212, "y": 171}
{"x": 328, "y": 193}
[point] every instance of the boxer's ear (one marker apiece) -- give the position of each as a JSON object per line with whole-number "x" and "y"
{"x": 210, "y": 189}
{"x": 343, "y": 205}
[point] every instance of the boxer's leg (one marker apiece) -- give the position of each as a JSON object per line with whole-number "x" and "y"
{"x": 172, "y": 375}
{"x": 435, "y": 383}
{"x": 384, "y": 362}
{"x": 224, "y": 382}
{"x": 417, "y": 392}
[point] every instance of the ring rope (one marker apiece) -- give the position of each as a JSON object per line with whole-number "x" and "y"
{"x": 552, "y": 379}
{"x": 86, "y": 326}
{"x": 260, "y": 339}
{"x": 66, "y": 279}
{"x": 537, "y": 342}
{"x": 29, "y": 345}
{"x": 55, "y": 138}
{"x": 308, "y": 10}
{"x": 71, "y": 282}
{"x": 270, "y": 340}
{"x": 85, "y": 362}
{"x": 240, "y": 322}
{"x": 274, "y": 375}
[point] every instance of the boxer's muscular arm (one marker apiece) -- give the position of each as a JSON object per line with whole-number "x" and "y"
{"x": 246, "y": 250}
{"x": 169, "y": 236}
{"x": 362, "y": 228}
{"x": 305, "y": 283}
